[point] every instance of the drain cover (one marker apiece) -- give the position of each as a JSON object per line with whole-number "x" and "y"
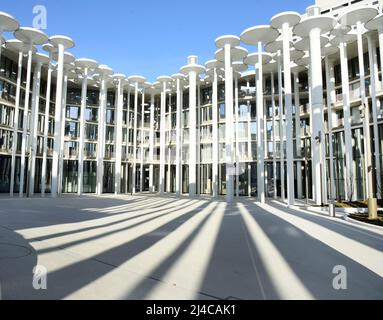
{"x": 12, "y": 251}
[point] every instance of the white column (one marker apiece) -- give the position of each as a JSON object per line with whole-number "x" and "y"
{"x": 380, "y": 30}
{"x": 33, "y": 130}
{"x": 162, "y": 139}
{"x": 331, "y": 97}
{"x": 151, "y": 144}
{"x": 289, "y": 114}
{"x": 46, "y": 127}
{"x": 135, "y": 139}
{"x": 61, "y": 157}
{"x": 317, "y": 105}
{"x": 16, "y": 122}
{"x": 237, "y": 162}
{"x": 118, "y": 143}
{"x": 215, "y": 135}
{"x": 260, "y": 129}
{"x": 229, "y": 125}
{"x": 193, "y": 133}
{"x": 25, "y": 122}
{"x": 298, "y": 134}
{"x": 57, "y": 135}
{"x": 178, "y": 137}
{"x": 84, "y": 94}
{"x": 373, "y": 77}
{"x": 168, "y": 143}
{"x": 101, "y": 136}
{"x": 142, "y": 142}
{"x": 274, "y": 134}
{"x": 281, "y": 127}
{"x": 366, "y": 120}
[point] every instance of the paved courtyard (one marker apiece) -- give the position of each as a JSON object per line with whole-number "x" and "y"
{"x": 150, "y": 247}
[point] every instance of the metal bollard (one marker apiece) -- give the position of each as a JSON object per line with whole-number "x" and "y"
{"x": 331, "y": 208}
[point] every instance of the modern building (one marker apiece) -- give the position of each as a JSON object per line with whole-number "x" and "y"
{"x": 301, "y": 117}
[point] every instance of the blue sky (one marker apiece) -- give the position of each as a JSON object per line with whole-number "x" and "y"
{"x": 151, "y": 37}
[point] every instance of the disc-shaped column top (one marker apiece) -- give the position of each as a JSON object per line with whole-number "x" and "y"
{"x": 354, "y": 15}
{"x": 340, "y": 30}
{"x": 68, "y": 57}
{"x": 192, "y": 66}
{"x": 41, "y": 58}
{"x": 376, "y": 23}
{"x": 163, "y": 79}
{"x": 237, "y": 53}
{"x": 2, "y": 40}
{"x": 329, "y": 50}
{"x": 220, "y": 72}
{"x": 274, "y": 46}
{"x": 49, "y": 48}
{"x": 289, "y": 17}
{"x": 304, "y": 61}
{"x": 8, "y": 23}
{"x": 104, "y": 70}
{"x": 253, "y": 58}
{"x": 19, "y": 46}
{"x": 136, "y": 79}
{"x": 65, "y": 41}
{"x": 179, "y": 76}
{"x": 86, "y": 63}
{"x": 118, "y": 76}
{"x": 263, "y": 34}
{"x": 324, "y": 23}
{"x": 348, "y": 38}
{"x": 212, "y": 64}
{"x": 296, "y": 54}
{"x": 231, "y": 40}
{"x": 270, "y": 67}
{"x": 239, "y": 66}
{"x": 304, "y": 43}
{"x": 31, "y": 36}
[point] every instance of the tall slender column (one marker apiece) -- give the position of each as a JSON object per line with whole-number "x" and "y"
{"x": 104, "y": 72}
{"x": 289, "y": 113}
{"x": 63, "y": 123}
{"x": 373, "y": 74}
{"x": 46, "y": 123}
{"x": 237, "y": 160}
{"x": 366, "y": 118}
{"x": 60, "y": 42}
{"x": 178, "y": 78}
{"x": 260, "y": 129}
{"x": 317, "y": 104}
{"x": 281, "y": 127}
{"x": 16, "y": 122}
{"x": 119, "y": 117}
{"x": 142, "y": 141}
{"x": 134, "y": 176}
{"x": 151, "y": 143}
{"x": 273, "y": 107}
{"x": 192, "y": 70}
{"x": 168, "y": 143}
{"x": 330, "y": 79}
{"x": 25, "y": 121}
{"x": 298, "y": 133}
{"x": 213, "y": 68}
{"x": 34, "y": 123}
{"x": 163, "y": 80}
{"x": 84, "y": 66}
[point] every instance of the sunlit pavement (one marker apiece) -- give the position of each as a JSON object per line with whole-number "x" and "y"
{"x": 148, "y": 247}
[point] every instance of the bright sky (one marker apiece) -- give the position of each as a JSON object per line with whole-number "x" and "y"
{"x": 151, "y": 37}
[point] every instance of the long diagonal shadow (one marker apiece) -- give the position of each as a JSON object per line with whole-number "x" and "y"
{"x": 75, "y": 276}
{"x": 114, "y": 231}
{"x": 312, "y": 261}
{"x": 65, "y": 233}
{"x": 353, "y": 232}
{"x": 141, "y": 289}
